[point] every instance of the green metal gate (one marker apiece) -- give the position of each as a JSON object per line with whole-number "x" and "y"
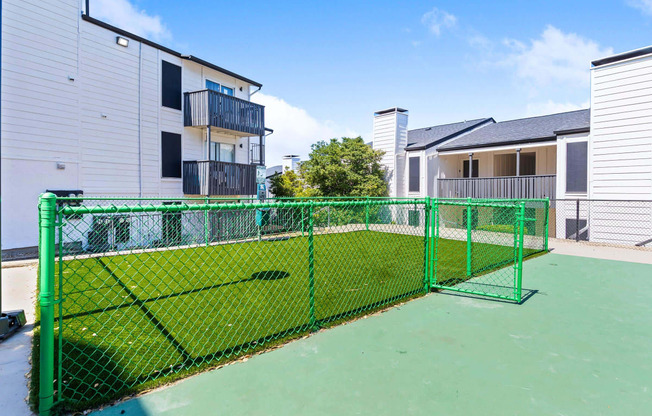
{"x": 479, "y": 245}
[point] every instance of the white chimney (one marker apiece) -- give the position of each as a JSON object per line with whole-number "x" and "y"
{"x": 390, "y": 135}
{"x": 290, "y": 162}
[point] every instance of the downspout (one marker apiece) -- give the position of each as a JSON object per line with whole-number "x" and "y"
{"x": 252, "y": 93}
{"x": 262, "y": 144}
{"x": 140, "y": 92}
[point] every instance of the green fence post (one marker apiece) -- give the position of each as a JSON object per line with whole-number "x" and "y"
{"x": 303, "y": 227}
{"x": 47, "y": 212}
{"x": 435, "y": 247}
{"x": 311, "y": 268}
{"x": 427, "y": 258}
{"x": 547, "y": 224}
{"x": 367, "y": 213}
{"x": 469, "y": 237}
{"x": 206, "y": 224}
{"x": 519, "y": 279}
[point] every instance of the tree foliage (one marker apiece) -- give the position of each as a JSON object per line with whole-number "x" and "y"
{"x": 345, "y": 167}
{"x": 286, "y": 184}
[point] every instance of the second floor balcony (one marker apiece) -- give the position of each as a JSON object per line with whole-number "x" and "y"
{"x": 224, "y": 112}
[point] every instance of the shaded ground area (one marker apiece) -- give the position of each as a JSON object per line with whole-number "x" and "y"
{"x": 581, "y": 345}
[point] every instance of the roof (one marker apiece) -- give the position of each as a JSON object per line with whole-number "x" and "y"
{"x": 524, "y": 130}
{"x": 622, "y": 56}
{"x": 168, "y": 50}
{"x": 426, "y": 137}
{"x": 391, "y": 110}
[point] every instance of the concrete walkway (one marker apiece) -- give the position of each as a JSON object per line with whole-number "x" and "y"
{"x": 595, "y": 251}
{"x": 18, "y": 289}
{"x": 581, "y": 345}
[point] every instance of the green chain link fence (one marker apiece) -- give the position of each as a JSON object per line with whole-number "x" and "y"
{"x": 134, "y": 293}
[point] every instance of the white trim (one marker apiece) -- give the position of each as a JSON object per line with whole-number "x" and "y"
{"x": 552, "y": 142}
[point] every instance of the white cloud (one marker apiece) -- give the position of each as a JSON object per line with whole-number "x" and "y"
{"x": 644, "y": 6}
{"x": 126, "y": 16}
{"x": 294, "y": 129}
{"x": 555, "y": 58}
{"x": 552, "y": 107}
{"x": 436, "y": 20}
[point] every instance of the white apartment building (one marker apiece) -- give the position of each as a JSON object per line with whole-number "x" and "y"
{"x": 602, "y": 153}
{"x": 88, "y": 108}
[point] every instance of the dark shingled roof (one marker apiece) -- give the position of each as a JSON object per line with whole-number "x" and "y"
{"x": 420, "y": 139}
{"x": 524, "y": 130}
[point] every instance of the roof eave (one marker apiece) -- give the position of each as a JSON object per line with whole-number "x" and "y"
{"x": 497, "y": 144}
{"x": 573, "y": 131}
{"x": 622, "y": 56}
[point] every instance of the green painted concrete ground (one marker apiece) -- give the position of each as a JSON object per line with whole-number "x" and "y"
{"x": 581, "y": 345}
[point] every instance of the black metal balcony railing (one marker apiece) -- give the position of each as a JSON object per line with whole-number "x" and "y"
{"x": 255, "y": 153}
{"x": 535, "y": 186}
{"x": 218, "y": 178}
{"x": 207, "y": 107}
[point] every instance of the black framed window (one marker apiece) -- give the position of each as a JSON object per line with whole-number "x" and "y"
{"x": 170, "y": 155}
{"x": 476, "y": 169}
{"x": 171, "y": 85}
{"x": 576, "y": 167}
{"x": 414, "y": 174}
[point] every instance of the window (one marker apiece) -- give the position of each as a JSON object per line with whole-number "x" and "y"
{"x": 171, "y": 85}
{"x": 223, "y": 152}
{"x": 475, "y": 166}
{"x": 528, "y": 164}
{"x": 576, "y": 172}
{"x": 170, "y": 155}
{"x": 227, "y": 152}
{"x": 414, "y": 174}
{"x": 213, "y": 86}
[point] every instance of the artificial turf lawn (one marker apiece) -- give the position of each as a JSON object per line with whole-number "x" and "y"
{"x": 133, "y": 319}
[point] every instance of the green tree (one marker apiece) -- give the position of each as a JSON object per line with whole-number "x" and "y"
{"x": 346, "y": 167}
{"x": 287, "y": 184}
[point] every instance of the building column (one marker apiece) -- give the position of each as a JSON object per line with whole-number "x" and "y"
{"x": 208, "y": 142}
{"x": 470, "y": 165}
{"x": 208, "y": 163}
{"x": 518, "y": 162}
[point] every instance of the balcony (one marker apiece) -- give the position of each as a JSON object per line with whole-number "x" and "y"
{"x": 508, "y": 187}
{"x": 218, "y": 178}
{"x": 226, "y": 113}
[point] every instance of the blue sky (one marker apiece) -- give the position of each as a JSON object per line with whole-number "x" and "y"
{"x": 327, "y": 66}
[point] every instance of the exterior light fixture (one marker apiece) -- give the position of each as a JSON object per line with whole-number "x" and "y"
{"x": 122, "y": 41}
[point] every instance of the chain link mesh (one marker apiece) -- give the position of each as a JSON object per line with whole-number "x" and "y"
{"x": 477, "y": 244}
{"x": 152, "y": 290}
{"x": 603, "y": 222}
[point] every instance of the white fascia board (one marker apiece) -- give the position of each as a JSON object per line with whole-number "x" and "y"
{"x": 498, "y": 148}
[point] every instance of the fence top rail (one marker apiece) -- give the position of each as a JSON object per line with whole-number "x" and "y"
{"x": 115, "y": 209}
{"x": 600, "y": 200}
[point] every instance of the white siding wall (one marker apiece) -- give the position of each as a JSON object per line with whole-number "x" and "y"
{"x": 620, "y": 151}
{"x": 384, "y": 138}
{"x": 390, "y": 135}
{"x": 40, "y": 117}
{"x": 71, "y": 95}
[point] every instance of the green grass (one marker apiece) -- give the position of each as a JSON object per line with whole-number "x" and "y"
{"x": 134, "y": 321}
